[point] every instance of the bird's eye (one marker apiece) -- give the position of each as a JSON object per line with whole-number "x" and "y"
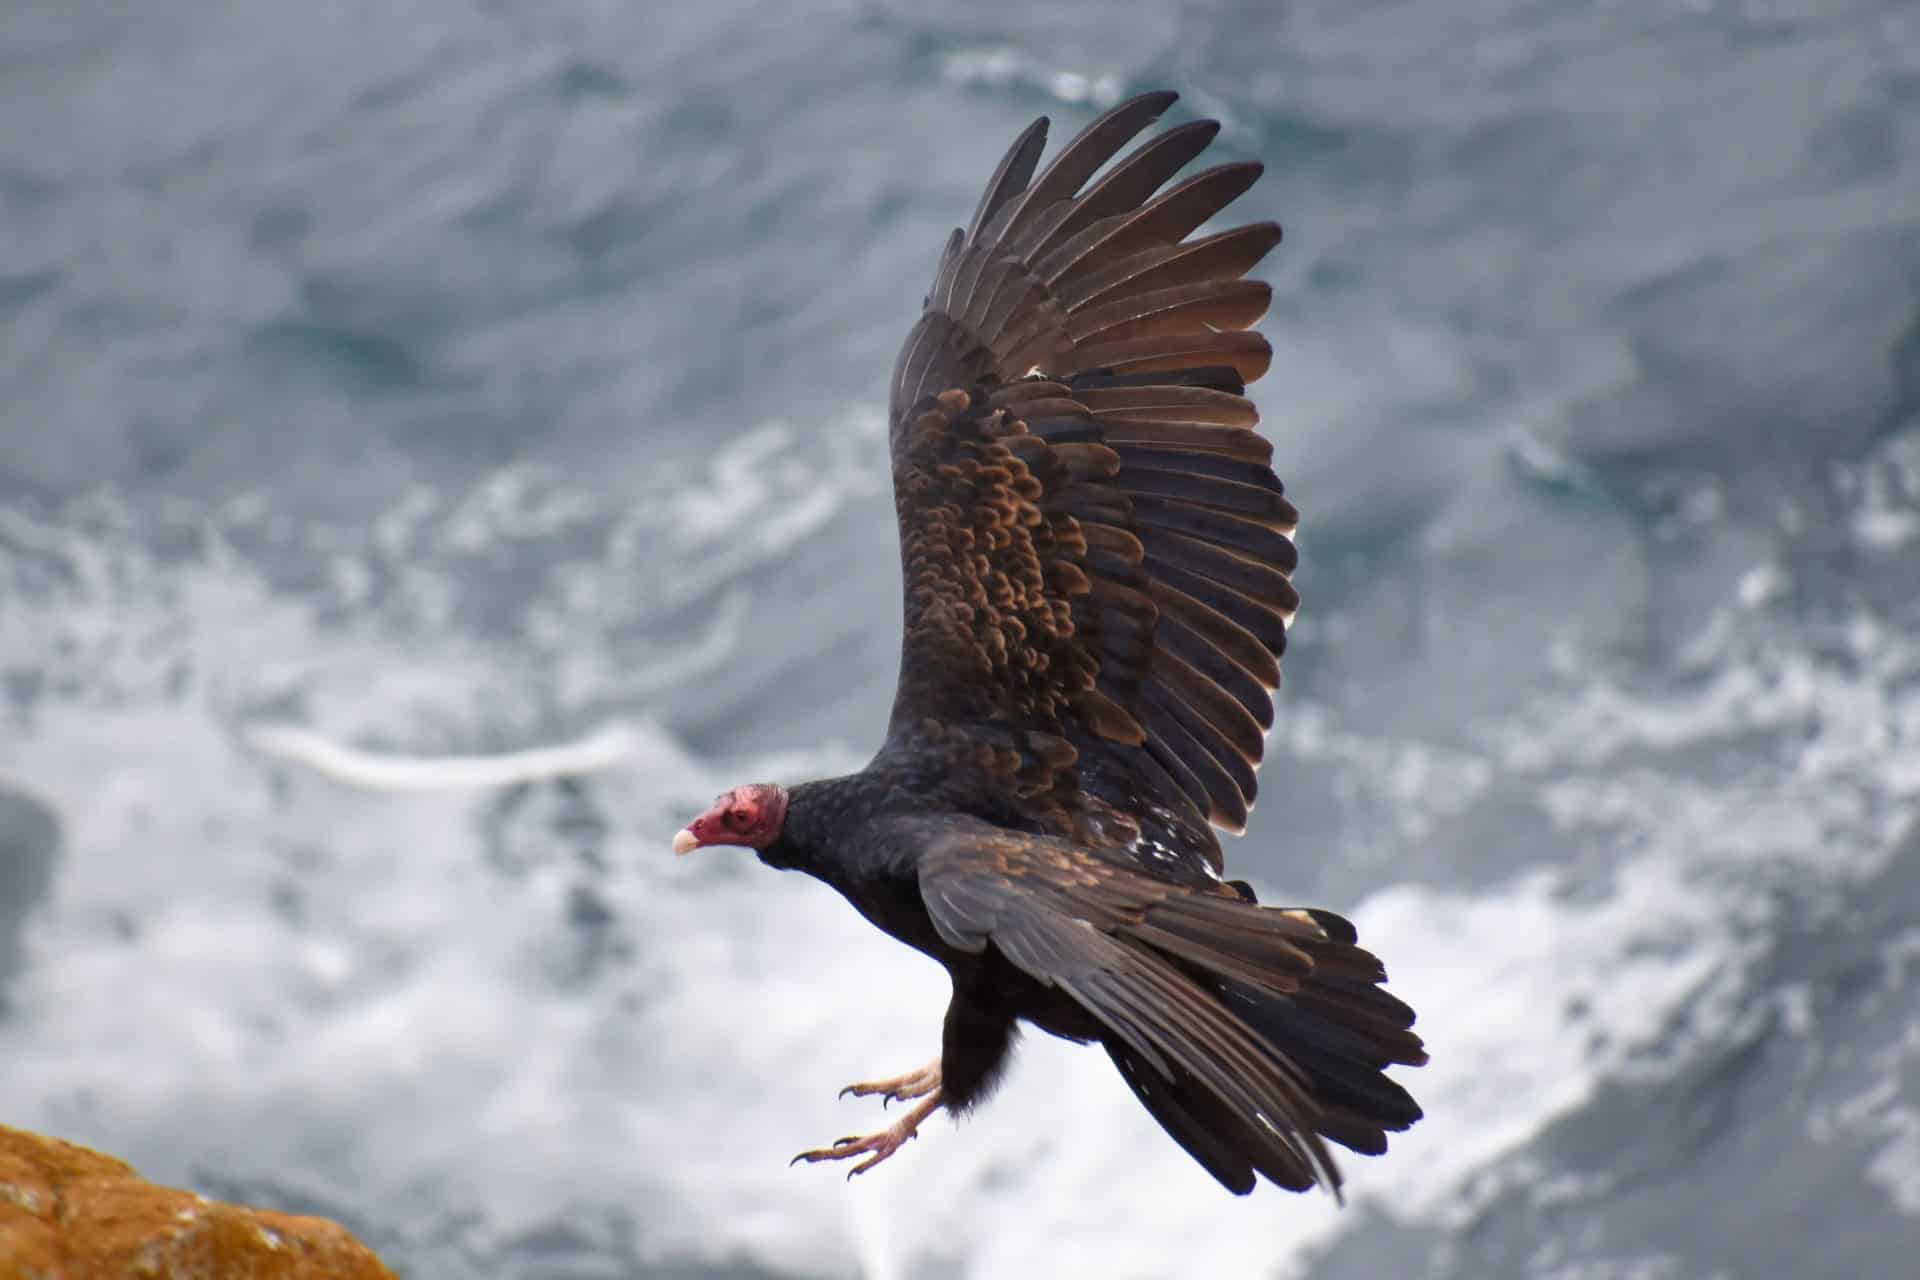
{"x": 737, "y": 818}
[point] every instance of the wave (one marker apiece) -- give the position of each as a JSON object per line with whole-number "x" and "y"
{"x": 293, "y": 940}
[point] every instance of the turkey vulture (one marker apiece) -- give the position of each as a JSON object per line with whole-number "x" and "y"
{"x": 1096, "y": 557}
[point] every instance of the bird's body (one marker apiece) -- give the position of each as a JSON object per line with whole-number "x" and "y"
{"x": 1096, "y": 557}
{"x": 866, "y": 836}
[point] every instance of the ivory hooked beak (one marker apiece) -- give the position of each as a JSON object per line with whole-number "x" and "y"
{"x": 685, "y": 842}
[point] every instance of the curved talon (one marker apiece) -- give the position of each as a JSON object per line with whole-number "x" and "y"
{"x": 914, "y": 1084}
{"x": 875, "y": 1146}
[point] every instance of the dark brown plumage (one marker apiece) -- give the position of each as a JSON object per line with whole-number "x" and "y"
{"x": 1095, "y": 554}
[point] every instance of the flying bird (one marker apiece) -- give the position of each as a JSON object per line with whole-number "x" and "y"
{"x": 1096, "y": 557}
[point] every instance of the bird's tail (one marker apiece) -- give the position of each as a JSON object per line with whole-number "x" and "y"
{"x": 1336, "y": 1033}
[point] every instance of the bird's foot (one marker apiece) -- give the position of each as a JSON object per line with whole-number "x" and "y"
{"x": 876, "y": 1146}
{"x": 914, "y": 1084}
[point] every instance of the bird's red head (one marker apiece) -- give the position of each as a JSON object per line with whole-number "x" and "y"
{"x": 749, "y": 816}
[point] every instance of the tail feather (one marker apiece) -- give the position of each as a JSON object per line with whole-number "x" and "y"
{"x": 1333, "y": 1026}
{"x": 1353, "y": 1131}
{"x": 1171, "y": 1102}
{"x": 1219, "y": 1139}
{"x": 1353, "y": 1012}
{"x": 1343, "y": 1071}
{"x": 1369, "y": 995}
{"x": 1255, "y": 1036}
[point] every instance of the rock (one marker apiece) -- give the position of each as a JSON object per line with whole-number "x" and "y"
{"x": 68, "y": 1213}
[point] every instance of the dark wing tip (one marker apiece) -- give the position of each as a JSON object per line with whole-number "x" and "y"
{"x": 1011, "y": 176}
{"x": 1144, "y": 107}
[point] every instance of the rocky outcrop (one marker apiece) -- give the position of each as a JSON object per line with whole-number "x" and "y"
{"x": 68, "y": 1213}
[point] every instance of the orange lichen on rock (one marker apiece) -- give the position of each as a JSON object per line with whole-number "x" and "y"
{"x": 69, "y": 1213}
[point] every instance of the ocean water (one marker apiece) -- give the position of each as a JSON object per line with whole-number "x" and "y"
{"x": 442, "y": 445}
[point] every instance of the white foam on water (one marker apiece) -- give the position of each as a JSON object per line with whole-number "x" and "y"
{"x": 343, "y": 967}
{"x": 1882, "y": 1113}
{"x": 387, "y": 771}
{"x": 1887, "y": 483}
{"x": 1002, "y": 65}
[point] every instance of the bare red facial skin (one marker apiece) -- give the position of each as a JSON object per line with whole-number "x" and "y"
{"x": 747, "y": 816}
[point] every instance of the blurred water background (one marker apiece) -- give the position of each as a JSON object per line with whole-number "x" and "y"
{"x": 466, "y": 378}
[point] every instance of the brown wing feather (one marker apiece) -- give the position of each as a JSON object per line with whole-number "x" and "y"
{"x": 1073, "y": 459}
{"x": 1266, "y": 1028}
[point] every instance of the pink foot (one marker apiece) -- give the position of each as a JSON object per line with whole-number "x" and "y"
{"x": 914, "y": 1084}
{"x": 876, "y": 1146}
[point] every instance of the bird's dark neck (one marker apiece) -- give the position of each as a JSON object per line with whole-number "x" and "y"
{"x": 821, "y": 832}
{"x": 856, "y": 835}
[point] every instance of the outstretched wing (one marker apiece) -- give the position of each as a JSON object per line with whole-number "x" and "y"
{"x": 1250, "y": 1033}
{"x": 1096, "y": 551}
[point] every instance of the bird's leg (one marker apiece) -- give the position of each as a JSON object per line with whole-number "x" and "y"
{"x": 877, "y": 1146}
{"x": 914, "y": 1084}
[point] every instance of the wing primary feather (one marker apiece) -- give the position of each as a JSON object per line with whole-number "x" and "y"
{"x": 1192, "y": 462}
{"x": 1215, "y": 377}
{"x": 1234, "y": 642}
{"x": 1221, "y": 798}
{"x": 1258, "y": 503}
{"x": 1230, "y": 722}
{"x": 1166, "y": 219}
{"x": 1246, "y": 352}
{"x": 1187, "y": 308}
{"x": 1076, "y": 162}
{"x": 1010, "y": 178}
{"x": 1265, "y": 579}
{"x": 1167, "y": 400}
{"x": 1259, "y": 540}
{"x": 1194, "y": 437}
{"x": 1224, "y": 255}
{"x": 1266, "y": 623}
{"x": 1234, "y": 680}
{"x": 1121, "y": 189}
